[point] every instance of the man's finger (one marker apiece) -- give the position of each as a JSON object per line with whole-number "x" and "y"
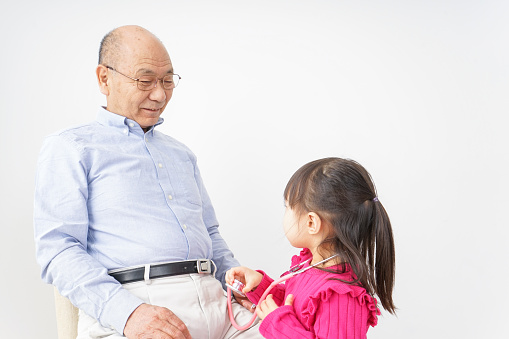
{"x": 175, "y": 327}
{"x": 156, "y": 321}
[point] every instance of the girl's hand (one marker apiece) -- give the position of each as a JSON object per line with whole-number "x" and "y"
{"x": 269, "y": 305}
{"x": 247, "y": 276}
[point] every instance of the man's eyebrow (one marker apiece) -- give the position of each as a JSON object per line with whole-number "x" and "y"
{"x": 151, "y": 72}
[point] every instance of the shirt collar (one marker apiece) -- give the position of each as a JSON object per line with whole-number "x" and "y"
{"x": 121, "y": 123}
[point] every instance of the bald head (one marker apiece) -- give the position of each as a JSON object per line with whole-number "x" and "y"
{"x": 122, "y": 40}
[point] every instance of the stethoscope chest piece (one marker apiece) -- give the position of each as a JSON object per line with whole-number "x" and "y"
{"x": 237, "y": 287}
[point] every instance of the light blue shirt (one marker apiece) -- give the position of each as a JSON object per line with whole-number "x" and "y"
{"x": 110, "y": 196}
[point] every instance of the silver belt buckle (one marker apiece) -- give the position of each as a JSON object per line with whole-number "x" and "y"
{"x": 203, "y": 266}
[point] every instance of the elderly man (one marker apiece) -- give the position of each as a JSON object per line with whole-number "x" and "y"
{"x": 123, "y": 224}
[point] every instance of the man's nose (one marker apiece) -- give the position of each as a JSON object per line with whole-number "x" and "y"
{"x": 158, "y": 93}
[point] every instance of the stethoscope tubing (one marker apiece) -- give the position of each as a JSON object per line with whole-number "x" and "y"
{"x": 262, "y": 298}
{"x": 267, "y": 291}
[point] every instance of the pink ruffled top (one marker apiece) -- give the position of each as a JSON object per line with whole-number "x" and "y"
{"x": 322, "y": 308}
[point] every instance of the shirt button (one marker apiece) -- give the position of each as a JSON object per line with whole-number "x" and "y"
{"x": 185, "y": 226}
{"x": 131, "y": 124}
{"x": 170, "y": 197}
{"x": 160, "y": 165}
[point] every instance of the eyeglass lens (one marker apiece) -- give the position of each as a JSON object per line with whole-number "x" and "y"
{"x": 168, "y": 82}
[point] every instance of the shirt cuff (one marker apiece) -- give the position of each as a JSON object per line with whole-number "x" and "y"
{"x": 118, "y": 309}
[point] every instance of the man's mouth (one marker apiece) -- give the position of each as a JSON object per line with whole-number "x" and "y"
{"x": 152, "y": 109}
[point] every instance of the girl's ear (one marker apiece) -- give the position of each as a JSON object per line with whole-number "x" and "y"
{"x": 313, "y": 223}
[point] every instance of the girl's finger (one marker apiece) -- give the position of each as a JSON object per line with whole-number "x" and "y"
{"x": 289, "y": 299}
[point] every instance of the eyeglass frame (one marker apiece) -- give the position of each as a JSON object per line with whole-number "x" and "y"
{"x": 149, "y": 89}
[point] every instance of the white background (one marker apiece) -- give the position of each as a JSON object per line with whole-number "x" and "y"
{"x": 414, "y": 90}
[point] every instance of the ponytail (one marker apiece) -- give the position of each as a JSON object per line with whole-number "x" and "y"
{"x": 384, "y": 270}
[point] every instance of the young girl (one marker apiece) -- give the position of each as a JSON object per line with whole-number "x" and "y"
{"x": 333, "y": 213}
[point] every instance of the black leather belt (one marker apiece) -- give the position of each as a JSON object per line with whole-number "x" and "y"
{"x": 129, "y": 275}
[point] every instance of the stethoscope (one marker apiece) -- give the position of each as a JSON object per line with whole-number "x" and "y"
{"x": 237, "y": 286}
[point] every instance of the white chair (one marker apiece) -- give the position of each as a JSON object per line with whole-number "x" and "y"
{"x": 67, "y": 317}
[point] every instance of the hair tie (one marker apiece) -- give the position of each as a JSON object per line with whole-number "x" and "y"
{"x": 375, "y": 199}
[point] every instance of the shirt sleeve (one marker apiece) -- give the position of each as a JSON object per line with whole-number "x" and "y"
{"x": 222, "y": 255}
{"x": 61, "y": 230}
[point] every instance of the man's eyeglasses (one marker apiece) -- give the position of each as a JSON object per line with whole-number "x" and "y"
{"x": 149, "y": 82}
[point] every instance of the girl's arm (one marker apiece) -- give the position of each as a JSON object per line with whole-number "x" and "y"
{"x": 277, "y": 292}
{"x": 256, "y": 282}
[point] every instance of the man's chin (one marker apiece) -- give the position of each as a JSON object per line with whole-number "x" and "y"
{"x": 149, "y": 117}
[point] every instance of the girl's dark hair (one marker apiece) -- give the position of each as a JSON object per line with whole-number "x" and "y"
{"x": 343, "y": 194}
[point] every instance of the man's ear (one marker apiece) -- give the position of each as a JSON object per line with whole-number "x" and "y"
{"x": 313, "y": 223}
{"x": 102, "y": 78}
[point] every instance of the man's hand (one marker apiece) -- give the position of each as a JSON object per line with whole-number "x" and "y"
{"x": 148, "y": 321}
{"x": 244, "y": 301}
